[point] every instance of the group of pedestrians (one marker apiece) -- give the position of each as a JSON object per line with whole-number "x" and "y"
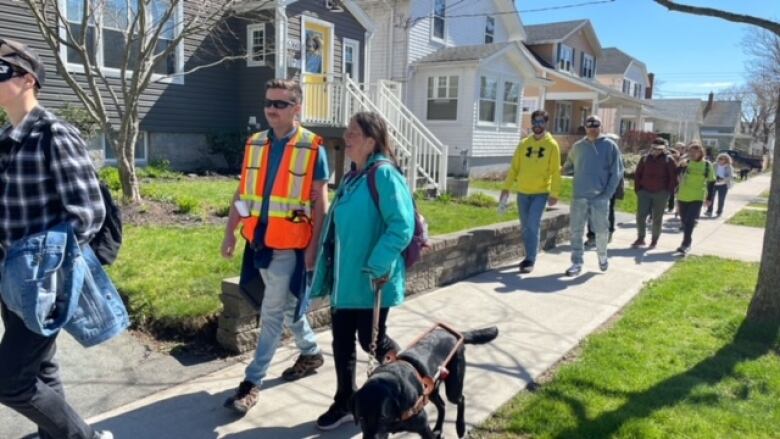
{"x": 678, "y": 179}
{"x": 298, "y": 244}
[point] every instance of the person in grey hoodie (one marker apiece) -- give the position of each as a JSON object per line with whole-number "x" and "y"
{"x": 597, "y": 167}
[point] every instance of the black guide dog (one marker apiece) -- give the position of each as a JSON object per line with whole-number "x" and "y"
{"x": 393, "y": 397}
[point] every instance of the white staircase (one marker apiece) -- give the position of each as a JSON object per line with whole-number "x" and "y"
{"x": 420, "y": 153}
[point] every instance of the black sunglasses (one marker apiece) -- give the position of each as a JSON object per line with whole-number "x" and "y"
{"x": 7, "y": 71}
{"x": 278, "y": 104}
{"x": 592, "y": 124}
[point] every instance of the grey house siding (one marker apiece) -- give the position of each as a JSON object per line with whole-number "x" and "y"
{"x": 202, "y": 103}
{"x": 345, "y": 26}
{"x": 251, "y": 80}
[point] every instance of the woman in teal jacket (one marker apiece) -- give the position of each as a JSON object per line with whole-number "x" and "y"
{"x": 362, "y": 246}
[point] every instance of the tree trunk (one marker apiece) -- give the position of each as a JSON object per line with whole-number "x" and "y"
{"x": 765, "y": 306}
{"x": 124, "y": 146}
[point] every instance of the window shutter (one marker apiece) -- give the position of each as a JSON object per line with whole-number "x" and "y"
{"x": 582, "y": 63}
{"x": 558, "y": 57}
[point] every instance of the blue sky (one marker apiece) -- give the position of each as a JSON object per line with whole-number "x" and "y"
{"x": 690, "y": 55}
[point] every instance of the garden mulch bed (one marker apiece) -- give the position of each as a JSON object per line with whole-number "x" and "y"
{"x": 156, "y": 213}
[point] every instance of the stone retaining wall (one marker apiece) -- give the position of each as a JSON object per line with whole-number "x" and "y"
{"x": 452, "y": 258}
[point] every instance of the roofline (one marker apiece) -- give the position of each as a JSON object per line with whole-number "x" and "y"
{"x": 353, "y": 8}
{"x": 591, "y": 31}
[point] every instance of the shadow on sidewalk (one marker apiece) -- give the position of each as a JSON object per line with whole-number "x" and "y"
{"x": 306, "y": 430}
{"x": 750, "y": 342}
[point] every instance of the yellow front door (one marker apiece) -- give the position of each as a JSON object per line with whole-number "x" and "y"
{"x": 317, "y": 40}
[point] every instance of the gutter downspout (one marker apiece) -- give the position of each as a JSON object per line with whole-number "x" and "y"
{"x": 282, "y": 25}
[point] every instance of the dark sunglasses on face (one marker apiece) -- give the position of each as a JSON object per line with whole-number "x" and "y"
{"x": 279, "y": 105}
{"x": 7, "y": 72}
{"x": 592, "y": 124}
{"x": 538, "y": 123}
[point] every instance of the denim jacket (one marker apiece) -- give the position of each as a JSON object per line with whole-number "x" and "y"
{"x": 52, "y": 283}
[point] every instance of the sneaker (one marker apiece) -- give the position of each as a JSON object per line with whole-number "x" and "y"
{"x": 245, "y": 397}
{"x": 653, "y": 244}
{"x": 603, "y": 264}
{"x": 334, "y": 417}
{"x": 105, "y": 434}
{"x": 305, "y": 365}
{"x": 683, "y": 250}
{"x": 526, "y": 266}
{"x": 638, "y": 243}
{"x": 590, "y": 243}
{"x": 709, "y": 214}
{"x": 574, "y": 270}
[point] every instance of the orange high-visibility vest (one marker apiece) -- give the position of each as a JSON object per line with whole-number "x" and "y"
{"x": 289, "y": 209}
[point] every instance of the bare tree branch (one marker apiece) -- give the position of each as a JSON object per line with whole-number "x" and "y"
{"x": 769, "y": 25}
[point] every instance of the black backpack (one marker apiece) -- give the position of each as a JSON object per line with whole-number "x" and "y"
{"x": 108, "y": 239}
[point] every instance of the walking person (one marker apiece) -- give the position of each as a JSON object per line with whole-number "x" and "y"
{"x": 676, "y": 154}
{"x": 654, "y": 180}
{"x": 696, "y": 178}
{"x": 535, "y": 175}
{"x": 597, "y": 167}
{"x": 724, "y": 176}
{"x": 47, "y": 183}
{"x": 280, "y": 202}
{"x": 364, "y": 237}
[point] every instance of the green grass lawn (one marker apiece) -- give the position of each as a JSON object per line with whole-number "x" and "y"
{"x": 755, "y": 217}
{"x": 678, "y": 364}
{"x": 171, "y": 275}
{"x": 628, "y": 204}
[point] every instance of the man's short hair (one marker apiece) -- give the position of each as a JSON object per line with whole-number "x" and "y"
{"x": 540, "y": 113}
{"x": 660, "y": 141}
{"x": 291, "y": 85}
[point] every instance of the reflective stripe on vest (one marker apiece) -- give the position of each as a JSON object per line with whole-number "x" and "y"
{"x": 289, "y": 206}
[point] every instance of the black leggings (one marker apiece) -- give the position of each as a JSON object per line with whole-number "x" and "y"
{"x": 345, "y": 323}
{"x": 689, "y": 214}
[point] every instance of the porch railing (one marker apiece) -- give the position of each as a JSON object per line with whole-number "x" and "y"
{"x": 420, "y": 154}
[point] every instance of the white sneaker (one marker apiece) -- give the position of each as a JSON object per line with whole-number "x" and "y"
{"x": 574, "y": 270}
{"x": 603, "y": 264}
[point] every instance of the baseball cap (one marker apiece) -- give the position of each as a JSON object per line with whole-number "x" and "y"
{"x": 21, "y": 56}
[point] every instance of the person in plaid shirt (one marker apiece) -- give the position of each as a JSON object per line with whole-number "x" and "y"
{"x": 46, "y": 178}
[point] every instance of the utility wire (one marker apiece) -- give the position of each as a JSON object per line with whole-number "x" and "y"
{"x": 515, "y": 11}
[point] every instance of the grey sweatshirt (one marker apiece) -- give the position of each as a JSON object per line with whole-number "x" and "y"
{"x": 597, "y": 168}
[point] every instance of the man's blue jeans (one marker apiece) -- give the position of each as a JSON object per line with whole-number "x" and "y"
{"x": 531, "y": 208}
{"x": 278, "y": 310}
{"x": 598, "y": 211}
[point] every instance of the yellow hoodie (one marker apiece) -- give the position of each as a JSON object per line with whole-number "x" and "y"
{"x": 536, "y": 167}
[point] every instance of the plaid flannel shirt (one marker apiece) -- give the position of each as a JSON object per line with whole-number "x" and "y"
{"x": 36, "y": 195}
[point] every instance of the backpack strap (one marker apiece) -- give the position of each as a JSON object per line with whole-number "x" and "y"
{"x": 372, "y": 180}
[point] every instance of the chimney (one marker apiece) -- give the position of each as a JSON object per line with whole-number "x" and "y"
{"x": 651, "y": 83}
{"x": 708, "y": 107}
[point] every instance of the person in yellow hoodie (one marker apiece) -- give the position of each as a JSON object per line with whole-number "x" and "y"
{"x": 535, "y": 175}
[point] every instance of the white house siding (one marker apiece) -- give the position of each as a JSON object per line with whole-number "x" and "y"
{"x": 457, "y": 134}
{"x": 496, "y": 140}
{"x": 637, "y": 74}
{"x": 387, "y": 58}
{"x": 458, "y": 31}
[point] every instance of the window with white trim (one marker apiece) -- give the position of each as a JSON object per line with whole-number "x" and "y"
{"x": 439, "y": 11}
{"x": 442, "y": 98}
{"x": 626, "y": 86}
{"x": 490, "y": 29}
{"x": 509, "y": 111}
{"x": 488, "y": 94}
{"x": 562, "y": 117}
{"x": 710, "y": 142}
{"x": 565, "y": 58}
{"x": 638, "y": 90}
{"x": 530, "y": 105}
{"x": 352, "y": 59}
{"x": 141, "y": 148}
{"x": 256, "y": 45}
{"x": 113, "y": 18}
{"x": 588, "y": 64}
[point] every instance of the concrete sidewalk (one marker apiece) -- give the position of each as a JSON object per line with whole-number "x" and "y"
{"x": 540, "y": 317}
